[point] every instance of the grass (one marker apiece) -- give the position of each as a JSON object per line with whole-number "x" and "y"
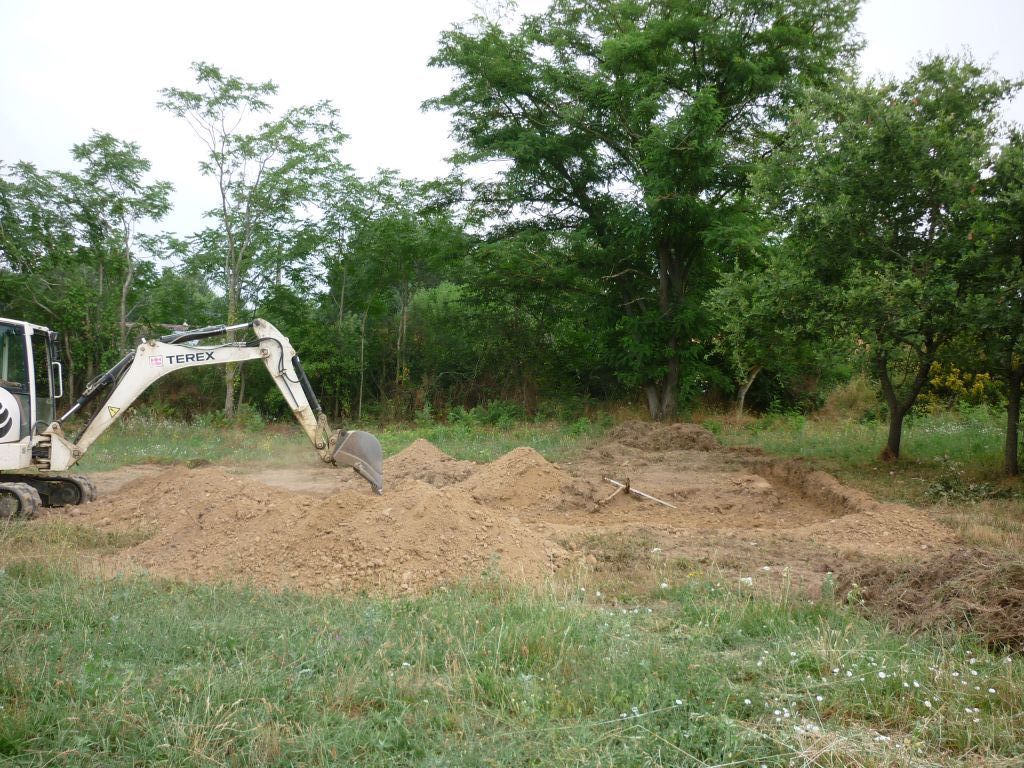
{"x": 134, "y": 671}
{"x": 143, "y": 440}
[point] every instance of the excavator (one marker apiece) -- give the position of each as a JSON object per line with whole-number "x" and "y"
{"x": 35, "y": 453}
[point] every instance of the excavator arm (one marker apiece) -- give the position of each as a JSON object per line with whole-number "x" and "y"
{"x": 151, "y": 360}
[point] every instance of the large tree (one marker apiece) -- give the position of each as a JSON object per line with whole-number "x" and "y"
{"x": 880, "y": 183}
{"x": 267, "y": 178}
{"x": 996, "y": 274}
{"x": 633, "y": 126}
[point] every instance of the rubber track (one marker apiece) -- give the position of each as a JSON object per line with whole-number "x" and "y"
{"x": 84, "y": 490}
{"x": 27, "y": 496}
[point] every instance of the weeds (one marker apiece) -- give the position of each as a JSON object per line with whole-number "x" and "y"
{"x": 136, "y": 671}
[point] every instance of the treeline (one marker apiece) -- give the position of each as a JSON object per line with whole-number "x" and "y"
{"x": 692, "y": 199}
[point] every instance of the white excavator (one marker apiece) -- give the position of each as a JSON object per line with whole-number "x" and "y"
{"x": 35, "y": 454}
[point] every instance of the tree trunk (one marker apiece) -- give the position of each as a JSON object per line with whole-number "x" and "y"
{"x": 1011, "y": 465}
{"x": 892, "y": 443}
{"x": 70, "y": 372}
{"x": 230, "y": 368}
{"x": 403, "y": 319}
{"x": 124, "y": 300}
{"x": 742, "y": 396}
{"x": 341, "y": 299}
{"x": 661, "y": 396}
{"x": 362, "y": 363}
{"x": 241, "y": 388}
{"x": 900, "y": 407}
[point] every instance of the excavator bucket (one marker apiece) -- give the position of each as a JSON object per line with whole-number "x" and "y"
{"x": 361, "y": 451}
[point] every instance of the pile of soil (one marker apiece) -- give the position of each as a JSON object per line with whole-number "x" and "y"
{"x": 967, "y": 589}
{"x": 442, "y": 520}
{"x": 663, "y": 437}
{"x": 210, "y": 525}
{"x": 523, "y": 482}
{"x": 422, "y": 460}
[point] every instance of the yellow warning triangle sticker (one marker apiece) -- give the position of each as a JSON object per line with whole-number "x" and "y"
{"x": 113, "y": 411}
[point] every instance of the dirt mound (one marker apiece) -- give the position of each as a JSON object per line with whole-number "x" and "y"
{"x": 649, "y": 436}
{"x": 526, "y": 483}
{"x": 970, "y": 590}
{"x": 422, "y": 460}
{"x": 442, "y": 520}
{"x": 209, "y": 525}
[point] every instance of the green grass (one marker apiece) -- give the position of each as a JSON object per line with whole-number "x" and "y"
{"x": 160, "y": 441}
{"x": 134, "y": 671}
{"x": 948, "y": 451}
{"x": 702, "y": 671}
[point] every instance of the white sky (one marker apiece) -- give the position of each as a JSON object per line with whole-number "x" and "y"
{"x": 69, "y": 67}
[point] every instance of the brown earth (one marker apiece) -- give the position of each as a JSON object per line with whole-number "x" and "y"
{"x": 762, "y": 523}
{"x": 442, "y": 520}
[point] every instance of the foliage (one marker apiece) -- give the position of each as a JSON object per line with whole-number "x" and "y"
{"x": 949, "y": 387}
{"x": 629, "y": 130}
{"x": 878, "y": 184}
{"x": 266, "y": 180}
{"x": 764, "y": 323}
{"x": 69, "y": 249}
{"x": 996, "y": 277}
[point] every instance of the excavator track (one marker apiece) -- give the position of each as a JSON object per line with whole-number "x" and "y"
{"x": 58, "y": 490}
{"x": 19, "y": 500}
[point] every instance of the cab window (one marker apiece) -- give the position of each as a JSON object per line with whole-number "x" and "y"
{"x": 13, "y": 368}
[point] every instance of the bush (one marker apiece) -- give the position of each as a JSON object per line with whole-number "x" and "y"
{"x": 501, "y": 413}
{"x": 949, "y": 387}
{"x": 854, "y": 400}
{"x": 246, "y": 417}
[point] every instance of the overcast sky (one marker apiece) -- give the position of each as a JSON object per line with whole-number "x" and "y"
{"x": 69, "y": 67}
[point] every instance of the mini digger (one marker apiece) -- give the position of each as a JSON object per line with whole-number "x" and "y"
{"x": 35, "y": 454}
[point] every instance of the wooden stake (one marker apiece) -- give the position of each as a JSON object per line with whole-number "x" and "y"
{"x": 625, "y": 487}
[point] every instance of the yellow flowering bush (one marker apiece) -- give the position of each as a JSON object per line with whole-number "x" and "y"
{"x": 948, "y": 386}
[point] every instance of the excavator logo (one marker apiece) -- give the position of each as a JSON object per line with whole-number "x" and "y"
{"x": 10, "y": 417}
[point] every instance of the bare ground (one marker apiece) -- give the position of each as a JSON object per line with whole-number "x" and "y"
{"x": 442, "y": 520}
{"x": 765, "y": 524}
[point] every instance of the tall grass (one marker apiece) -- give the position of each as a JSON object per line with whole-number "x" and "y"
{"x": 133, "y": 671}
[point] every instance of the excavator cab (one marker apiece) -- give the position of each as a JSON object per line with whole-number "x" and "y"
{"x": 30, "y": 381}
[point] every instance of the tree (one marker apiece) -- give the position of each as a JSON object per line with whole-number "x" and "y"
{"x": 68, "y": 247}
{"x": 404, "y": 240}
{"x": 112, "y": 200}
{"x": 763, "y": 320}
{"x": 265, "y": 180}
{"x": 878, "y": 183}
{"x": 996, "y": 275}
{"x": 634, "y": 126}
